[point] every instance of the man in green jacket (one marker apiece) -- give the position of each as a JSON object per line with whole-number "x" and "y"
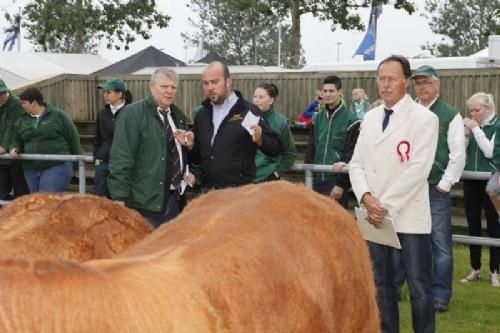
{"x": 11, "y": 172}
{"x": 148, "y": 164}
{"x": 332, "y": 140}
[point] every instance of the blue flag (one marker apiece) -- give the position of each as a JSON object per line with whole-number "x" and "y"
{"x": 10, "y": 40}
{"x": 367, "y": 46}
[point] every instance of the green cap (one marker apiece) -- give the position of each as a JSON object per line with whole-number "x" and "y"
{"x": 3, "y": 87}
{"x": 113, "y": 84}
{"x": 424, "y": 70}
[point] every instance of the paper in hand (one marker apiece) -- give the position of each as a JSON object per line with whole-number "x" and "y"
{"x": 385, "y": 234}
{"x": 250, "y": 119}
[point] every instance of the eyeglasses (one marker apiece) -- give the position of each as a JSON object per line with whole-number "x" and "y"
{"x": 422, "y": 83}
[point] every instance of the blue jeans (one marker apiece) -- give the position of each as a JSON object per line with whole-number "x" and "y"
{"x": 52, "y": 179}
{"x": 416, "y": 258}
{"x": 171, "y": 210}
{"x": 442, "y": 255}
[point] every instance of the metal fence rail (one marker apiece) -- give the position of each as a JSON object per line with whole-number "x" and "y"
{"x": 308, "y": 169}
{"x": 81, "y": 159}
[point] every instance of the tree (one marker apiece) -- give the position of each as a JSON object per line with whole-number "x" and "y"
{"x": 77, "y": 26}
{"x": 241, "y": 31}
{"x": 463, "y": 24}
{"x": 341, "y": 13}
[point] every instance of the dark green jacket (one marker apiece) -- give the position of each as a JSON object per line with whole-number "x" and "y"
{"x": 10, "y": 112}
{"x": 138, "y": 159}
{"x": 496, "y": 148}
{"x": 329, "y": 138}
{"x": 52, "y": 133}
{"x": 266, "y": 165}
{"x": 476, "y": 161}
{"x": 445, "y": 113}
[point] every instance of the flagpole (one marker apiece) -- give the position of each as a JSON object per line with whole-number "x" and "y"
{"x": 19, "y": 32}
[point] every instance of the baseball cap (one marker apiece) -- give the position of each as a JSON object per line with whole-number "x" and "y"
{"x": 113, "y": 84}
{"x": 424, "y": 70}
{"x": 3, "y": 87}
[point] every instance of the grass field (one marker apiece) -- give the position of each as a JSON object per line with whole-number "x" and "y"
{"x": 474, "y": 307}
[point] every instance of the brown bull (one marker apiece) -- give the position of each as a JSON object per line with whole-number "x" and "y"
{"x": 73, "y": 227}
{"x": 237, "y": 260}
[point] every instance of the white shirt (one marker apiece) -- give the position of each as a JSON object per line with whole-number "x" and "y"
{"x": 174, "y": 129}
{"x": 456, "y": 145}
{"x": 483, "y": 143}
{"x": 114, "y": 109}
{"x": 221, "y": 111}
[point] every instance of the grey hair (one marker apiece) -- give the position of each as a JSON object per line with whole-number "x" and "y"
{"x": 483, "y": 99}
{"x": 165, "y": 72}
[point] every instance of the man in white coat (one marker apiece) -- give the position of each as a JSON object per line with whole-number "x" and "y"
{"x": 388, "y": 171}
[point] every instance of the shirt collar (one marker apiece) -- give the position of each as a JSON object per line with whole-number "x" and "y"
{"x": 488, "y": 119}
{"x": 228, "y": 102}
{"x": 116, "y": 108}
{"x": 430, "y": 104}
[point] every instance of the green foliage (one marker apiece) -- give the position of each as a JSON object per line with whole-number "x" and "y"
{"x": 341, "y": 13}
{"x": 244, "y": 32}
{"x": 465, "y": 25}
{"x": 77, "y": 26}
{"x": 474, "y": 306}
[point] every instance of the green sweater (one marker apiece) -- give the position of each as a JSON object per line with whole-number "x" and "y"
{"x": 138, "y": 159}
{"x": 445, "y": 113}
{"x": 10, "y": 112}
{"x": 476, "y": 161}
{"x": 53, "y": 132}
{"x": 265, "y": 165}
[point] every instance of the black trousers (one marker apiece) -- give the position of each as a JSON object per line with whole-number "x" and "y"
{"x": 12, "y": 180}
{"x": 476, "y": 198}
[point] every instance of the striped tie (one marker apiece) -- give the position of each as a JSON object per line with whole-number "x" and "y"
{"x": 173, "y": 159}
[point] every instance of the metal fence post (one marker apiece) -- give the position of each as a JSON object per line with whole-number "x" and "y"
{"x": 81, "y": 175}
{"x": 309, "y": 178}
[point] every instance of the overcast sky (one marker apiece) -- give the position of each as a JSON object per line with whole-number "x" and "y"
{"x": 398, "y": 33}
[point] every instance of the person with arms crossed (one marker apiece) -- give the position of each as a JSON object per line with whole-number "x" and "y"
{"x": 389, "y": 169}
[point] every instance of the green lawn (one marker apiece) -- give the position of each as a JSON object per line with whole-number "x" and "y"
{"x": 474, "y": 307}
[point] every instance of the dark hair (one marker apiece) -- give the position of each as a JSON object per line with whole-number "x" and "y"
{"x": 405, "y": 64}
{"x": 32, "y": 94}
{"x": 127, "y": 96}
{"x": 333, "y": 79}
{"x": 270, "y": 88}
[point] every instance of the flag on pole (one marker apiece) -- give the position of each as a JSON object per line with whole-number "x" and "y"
{"x": 367, "y": 46}
{"x": 10, "y": 40}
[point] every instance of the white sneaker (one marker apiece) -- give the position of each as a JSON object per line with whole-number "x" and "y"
{"x": 474, "y": 275}
{"x": 494, "y": 279}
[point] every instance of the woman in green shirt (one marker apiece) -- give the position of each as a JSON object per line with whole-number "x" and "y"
{"x": 44, "y": 129}
{"x": 272, "y": 168}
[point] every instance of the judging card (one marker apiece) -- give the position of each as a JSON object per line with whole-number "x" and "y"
{"x": 250, "y": 119}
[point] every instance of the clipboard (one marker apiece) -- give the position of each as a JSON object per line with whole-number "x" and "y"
{"x": 385, "y": 234}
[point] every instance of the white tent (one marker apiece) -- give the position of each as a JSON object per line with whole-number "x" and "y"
{"x": 19, "y": 67}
